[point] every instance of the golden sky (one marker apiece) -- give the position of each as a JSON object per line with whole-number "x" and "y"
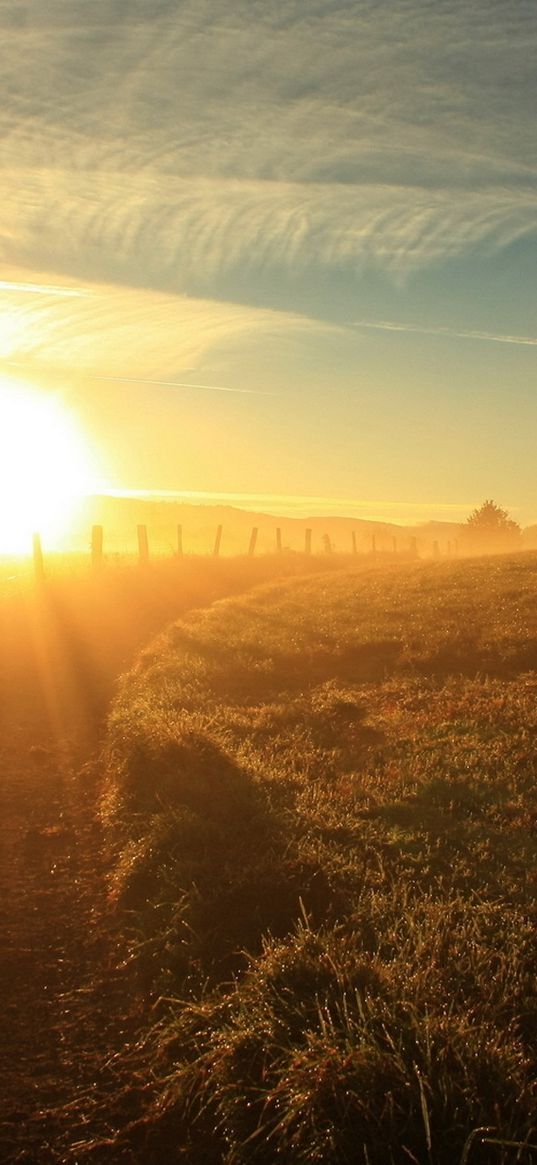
{"x": 277, "y": 251}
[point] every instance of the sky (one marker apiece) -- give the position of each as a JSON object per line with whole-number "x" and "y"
{"x": 280, "y": 251}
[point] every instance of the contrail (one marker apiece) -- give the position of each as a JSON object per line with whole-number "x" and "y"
{"x": 181, "y": 384}
{"x": 25, "y": 364}
{"x": 392, "y": 326}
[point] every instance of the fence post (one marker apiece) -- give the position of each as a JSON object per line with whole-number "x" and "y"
{"x": 278, "y": 541}
{"x": 143, "y": 545}
{"x": 253, "y": 540}
{"x": 217, "y": 541}
{"x": 436, "y": 549}
{"x": 307, "y": 542}
{"x": 39, "y": 566}
{"x": 414, "y": 547}
{"x": 179, "y": 541}
{"x": 96, "y": 547}
{"x": 354, "y": 546}
{"x": 394, "y": 545}
{"x": 373, "y": 544}
{"x": 327, "y": 544}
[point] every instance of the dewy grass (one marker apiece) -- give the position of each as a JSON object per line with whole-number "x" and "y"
{"x": 323, "y": 799}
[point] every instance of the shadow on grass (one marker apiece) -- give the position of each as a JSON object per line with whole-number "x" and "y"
{"x": 211, "y": 872}
{"x": 250, "y": 672}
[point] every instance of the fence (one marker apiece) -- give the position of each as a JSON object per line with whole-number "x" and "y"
{"x": 391, "y": 547}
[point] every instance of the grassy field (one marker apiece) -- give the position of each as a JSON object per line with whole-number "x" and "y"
{"x": 322, "y": 807}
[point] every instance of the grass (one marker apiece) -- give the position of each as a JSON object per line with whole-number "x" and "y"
{"x": 322, "y": 803}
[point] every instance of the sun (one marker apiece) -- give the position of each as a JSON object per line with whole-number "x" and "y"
{"x": 45, "y": 466}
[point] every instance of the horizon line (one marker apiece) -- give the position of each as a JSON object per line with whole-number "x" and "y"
{"x": 304, "y": 506}
{"x": 298, "y": 498}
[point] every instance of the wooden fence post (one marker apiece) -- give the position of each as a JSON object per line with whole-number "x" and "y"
{"x": 96, "y": 547}
{"x": 179, "y": 541}
{"x": 278, "y": 541}
{"x": 307, "y": 542}
{"x": 354, "y": 546}
{"x": 253, "y": 540}
{"x": 143, "y": 545}
{"x": 373, "y": 544}
{"x": 394, "y": 545}
{"x": 39, "y": 566}
{"x": 217, "y": 541}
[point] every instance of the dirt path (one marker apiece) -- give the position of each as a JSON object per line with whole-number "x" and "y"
{"x": 68, "y": 1007}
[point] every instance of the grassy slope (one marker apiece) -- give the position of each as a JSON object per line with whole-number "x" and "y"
{"x": 323, "y": 799}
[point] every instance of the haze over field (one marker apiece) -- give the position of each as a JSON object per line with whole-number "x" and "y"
{"x": 270, "y": 249}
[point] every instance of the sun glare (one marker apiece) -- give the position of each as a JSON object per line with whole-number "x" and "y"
{"x": 45, "y": 467}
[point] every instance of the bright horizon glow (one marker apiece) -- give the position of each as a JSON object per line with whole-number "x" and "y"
{"x": 45, "y": 467}
{"x": 312, "y": 505}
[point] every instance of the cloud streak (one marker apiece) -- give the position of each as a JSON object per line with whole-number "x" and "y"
{"x": 41, "y": 289}
{"x": 182, "y": 384}
{"x": 450, "y": 333}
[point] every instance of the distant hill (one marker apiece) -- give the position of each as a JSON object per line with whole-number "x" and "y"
{"x": 120, "y": 517}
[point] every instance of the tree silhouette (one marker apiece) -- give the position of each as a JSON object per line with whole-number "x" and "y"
{"x": 489, "y": 528}
{"x": 491, "y": 519}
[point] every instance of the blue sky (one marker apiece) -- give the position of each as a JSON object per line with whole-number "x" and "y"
{"x": 315, "y": 223}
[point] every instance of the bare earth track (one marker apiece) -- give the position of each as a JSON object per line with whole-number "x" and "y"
{"x": 63, "y": 1001}
{"x": 67, "y": 1006}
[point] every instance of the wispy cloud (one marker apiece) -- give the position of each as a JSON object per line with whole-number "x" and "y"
{"x": 389, "y": 135}
{"x": 136, "y": 336}
{"x": 183, "y": 233}
{"x": 450, "y": 333}
{"x": 41, "y": 289}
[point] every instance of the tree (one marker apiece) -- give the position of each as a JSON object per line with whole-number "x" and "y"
{"x": 489, "y": 528}
{"x": 491, "y": 517}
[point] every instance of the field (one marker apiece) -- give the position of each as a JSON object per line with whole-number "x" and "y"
{"x": 297, "y": 864}
{"x": 321, "y": 801}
